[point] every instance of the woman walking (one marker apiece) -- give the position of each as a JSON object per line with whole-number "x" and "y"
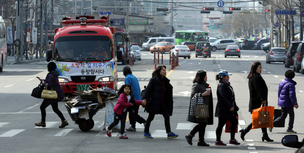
{"x": 51, "y": 81}
{"x": 258, "y": 95}
{"x": 159, "y": 94}
{"x": 226, "y": 108}
{"x": 200, "y": 86}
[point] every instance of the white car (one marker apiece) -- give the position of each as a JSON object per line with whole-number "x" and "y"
{"x": 135, "y": 50}
{"x": 182, "y": 50}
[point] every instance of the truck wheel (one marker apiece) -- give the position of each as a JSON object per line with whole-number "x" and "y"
{"x": 85, "y": 125}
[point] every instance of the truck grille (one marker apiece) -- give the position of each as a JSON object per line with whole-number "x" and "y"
{"x": 83, "y": 78}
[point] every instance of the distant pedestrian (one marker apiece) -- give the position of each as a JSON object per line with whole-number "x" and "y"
{"x": 226, "y": 108}
{"x": 51, "y": 81}
{"x": 287, "y": 100}
{"x": 159, "y": 95}
{"x": 258, "y": 95}
{"x": 125, "y": 100}
{"x": 200, "y": 86}
{"x": 133, "y": 111}
{"x": 30, "y": 47}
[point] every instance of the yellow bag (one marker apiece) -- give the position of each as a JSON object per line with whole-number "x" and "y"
{"x": 49, "y": 94}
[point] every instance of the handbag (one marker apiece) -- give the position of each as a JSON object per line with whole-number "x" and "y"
{"x": 255, "y": 117}
{"x": 228, "y": 126}
{"x": 264, "y": 117}
{"x": 277, "y": 113}
{"x": 49, "y": 94}
{"x": 200, "y": 109}
{"x": 36, "y": 92}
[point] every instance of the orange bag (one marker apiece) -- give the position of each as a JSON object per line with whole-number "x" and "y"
{"x": 255, "y": 117}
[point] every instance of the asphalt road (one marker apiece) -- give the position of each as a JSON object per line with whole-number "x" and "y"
{"x": 20, "y": 111}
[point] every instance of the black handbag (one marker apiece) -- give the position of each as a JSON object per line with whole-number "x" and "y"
{"x": 37, "y": 91}
{"x": 277, "y": 113}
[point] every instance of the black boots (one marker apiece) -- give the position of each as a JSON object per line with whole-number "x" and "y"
{"x": 189, "y": 138}
{"x": 243, "y": 133}
{"x": 265, "y": 137}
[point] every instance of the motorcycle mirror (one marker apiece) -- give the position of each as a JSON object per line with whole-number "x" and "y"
{"x": 291, "y": 141}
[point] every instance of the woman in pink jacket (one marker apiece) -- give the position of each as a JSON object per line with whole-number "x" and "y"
{"x": 125, "y": 100}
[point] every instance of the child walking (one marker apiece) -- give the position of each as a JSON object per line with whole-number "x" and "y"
{"x": 125, "y": 100}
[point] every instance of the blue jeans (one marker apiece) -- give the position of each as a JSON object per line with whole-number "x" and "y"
{"x": 285, "y": 111}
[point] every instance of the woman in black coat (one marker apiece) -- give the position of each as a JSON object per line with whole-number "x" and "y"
{"x": 226, "y": 108}
{"x": 200, "y": 86}
{"x": 51, "y": 81}
{"x": 159, "y": 95}
{"x": 258, "y": 95}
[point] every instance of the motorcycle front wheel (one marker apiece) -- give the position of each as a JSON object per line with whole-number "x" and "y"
{"x": 85, "y": 125}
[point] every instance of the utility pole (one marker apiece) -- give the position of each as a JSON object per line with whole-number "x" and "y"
{"x": 271, "y": 26}
{"x": 41, "y": 29}
{"x": 301, "y": 24}
{"x": 46, "y": 26}
{"x": 18, "y": 30}
{"x": 171, "y": 31}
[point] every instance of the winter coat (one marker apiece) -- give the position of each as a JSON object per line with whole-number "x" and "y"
{"x": 52, "y": 83}
{"x": 122, "y": 103}
{"x": 225, "y": 100}
{"x": 133, "y": 81}
{"x": 200, "y": 88}
{"x": 258, "y": 91}
{"x": 154, "y": 93}
{"x": 287, "y": 94}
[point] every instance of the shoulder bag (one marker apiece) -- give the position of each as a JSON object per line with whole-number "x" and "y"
{"x": 36, "y": 92}
{"x": 49, "y": 94}
{"x": 201, "y": 110}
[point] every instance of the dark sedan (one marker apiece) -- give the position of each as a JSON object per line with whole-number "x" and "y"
{"x": 232, "y": 50}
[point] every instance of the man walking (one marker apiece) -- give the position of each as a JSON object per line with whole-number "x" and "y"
{"x": 133, "y": 111}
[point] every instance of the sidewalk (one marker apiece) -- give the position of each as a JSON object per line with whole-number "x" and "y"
{"x": 12, "y": 60}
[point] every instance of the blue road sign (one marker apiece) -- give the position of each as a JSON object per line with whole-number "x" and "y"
{"x": 285, "y": 12}
{"x": 302, "y": 13}
{"x": 220, "y": 3}
{"x": 105, "y": 13}
{"x": 277, "y": 24}
{"x": 211, "y": 21}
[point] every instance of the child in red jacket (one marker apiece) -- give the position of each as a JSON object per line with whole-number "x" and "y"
{"x": 125, "y": 100}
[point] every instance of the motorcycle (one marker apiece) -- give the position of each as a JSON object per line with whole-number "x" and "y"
{"x": 292, "y": 141}
{"x": 206, "y": 51}
{"x": 86, "y": 104}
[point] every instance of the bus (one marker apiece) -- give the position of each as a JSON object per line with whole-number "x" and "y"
{"x": 191, "y": 35}
{"x": 3, "y": 45}
{"x": 85, "y": 53}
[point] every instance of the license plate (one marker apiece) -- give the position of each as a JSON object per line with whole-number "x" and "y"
{"x": 83, "y": 87}
{"x": 182, "y": 50}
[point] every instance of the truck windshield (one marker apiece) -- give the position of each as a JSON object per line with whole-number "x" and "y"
{"x": 79, "y": 48}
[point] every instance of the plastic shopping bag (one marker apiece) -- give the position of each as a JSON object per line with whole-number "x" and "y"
{"x": 109, "y": 117}
{"x": 255, "y": 117}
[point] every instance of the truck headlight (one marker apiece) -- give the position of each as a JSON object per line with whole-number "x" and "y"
{"x": 63, "y": 80}
{"x": 104, "y": 79}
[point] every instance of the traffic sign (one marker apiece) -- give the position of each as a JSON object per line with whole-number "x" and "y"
{"x": 105, "y": 13}
{"x": 285, "y": 12}
{"x": 211, "y": 21}
{"x": 277, "y": 24}
{"x": 220, "y": 3}
{"x": 302, "y": 13}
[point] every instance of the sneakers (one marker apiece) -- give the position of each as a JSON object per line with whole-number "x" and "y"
{"x": 64, "y": 124}
{"x": 189, "y": 139}
{"x": 172, "y": 135}
{"x": 148, "y": 136}
{"x": 109, "y": 132}
{"x": 234, "y": 142}
{"x": 131, "y": 129}
{"x": 270, "y": 129}
{"x": 42, "y": 124}
{"x": 123, "y": 136}
{"x": 291, "y": 131}
{"x": 220, "y": 143}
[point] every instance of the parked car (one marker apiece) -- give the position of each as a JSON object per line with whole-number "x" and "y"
{"x": 248, "y": 44}
{"x": 297, "y": 57}
{"x": 265, "y": 46}
{"x": 290, "y": 53}
{"x": 182, "y": 50}
{"x": 191, "y": 45}
{"x": 240, "y": 41}
{"x": 222, "y": 44}
{"x": 212, "y": 39}
{"x": 162, "y": 47}
{"x": 232, "y": 50}
{"x": 258, "y": 44}
{"x": 276, "y": 54}
{"x": 136, "y": 51}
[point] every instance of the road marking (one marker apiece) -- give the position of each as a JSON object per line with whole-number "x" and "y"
{"x": 300, "y": 90}
{"x": 169, "y": 73}
{"x": 159, "y": 134}
{"x": 251, "y": 148}
{"x": 210, "y": 134}
{"x": 11, "y": 133}
{"x": 185, "y": 93}
{"x": 63, "y": 132}
{"x": 242, "y": 122}
{"x": 28, "y": 80}
{"x": 48, "y": 125}
{"x": 8, "y": 86}
{"x": 28, "y": 108}
{"x": 185, "y": 126}
{"x": 3, "y": 124}
{"x": 276, "y": 76}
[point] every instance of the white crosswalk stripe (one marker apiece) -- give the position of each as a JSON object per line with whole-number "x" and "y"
{"x": 12, "y": 133}
{"x": 63, "y": 132}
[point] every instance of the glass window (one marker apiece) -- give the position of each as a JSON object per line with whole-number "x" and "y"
{"x": 152, "y": 40}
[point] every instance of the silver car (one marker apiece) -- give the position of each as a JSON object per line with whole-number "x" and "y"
{"x": 135, "y": 50}
{"x": 222, "y": 44}
{"x": 182, "y": 50}
{"x": 276, "y": 54}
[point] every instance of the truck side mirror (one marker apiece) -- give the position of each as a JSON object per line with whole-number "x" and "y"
{"x": 48, "y": 55}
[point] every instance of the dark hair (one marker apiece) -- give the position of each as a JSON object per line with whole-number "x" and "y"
{"x": 126, "y": 70}
{"x": 253, "y": 69}
{"x": 157, "y": 70}
{"x": 200, "y": 76}
{"x": 290, "y": 74}
{"x": 217, "y": 77}
{"x": 121, "y": 89}
{"x": 51, "y": 66}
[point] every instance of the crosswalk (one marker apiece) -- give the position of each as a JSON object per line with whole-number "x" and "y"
{"x": 160, "y": 133}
